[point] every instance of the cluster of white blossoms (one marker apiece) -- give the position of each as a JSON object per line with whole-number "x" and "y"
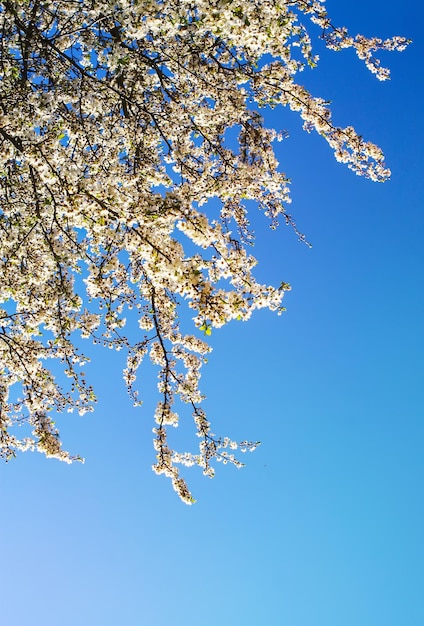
{"x": 113, "y": 142}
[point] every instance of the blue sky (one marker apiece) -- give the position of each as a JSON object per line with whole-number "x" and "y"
{"x": 324, "y": 525}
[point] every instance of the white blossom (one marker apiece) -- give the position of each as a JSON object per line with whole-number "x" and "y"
{"x": 113, "y": 121}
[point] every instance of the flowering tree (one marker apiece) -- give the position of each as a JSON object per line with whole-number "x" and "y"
{"x": 116, "y": 166}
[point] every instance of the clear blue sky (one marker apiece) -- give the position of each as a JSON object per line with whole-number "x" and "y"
{"x": 324, "y": 526}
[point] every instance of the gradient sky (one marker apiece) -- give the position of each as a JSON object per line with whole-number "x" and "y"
{"x": 324, "y": 525}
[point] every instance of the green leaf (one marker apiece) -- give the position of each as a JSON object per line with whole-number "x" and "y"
{"x": 207, "y": 330}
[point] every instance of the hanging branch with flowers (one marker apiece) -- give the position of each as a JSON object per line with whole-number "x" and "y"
{"x": 113, "y": 121}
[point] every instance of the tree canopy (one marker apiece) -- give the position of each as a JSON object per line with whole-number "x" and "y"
{"x": 122, "y": 193}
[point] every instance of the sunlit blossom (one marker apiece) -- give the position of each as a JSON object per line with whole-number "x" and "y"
{"x": 113, "y": 141}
